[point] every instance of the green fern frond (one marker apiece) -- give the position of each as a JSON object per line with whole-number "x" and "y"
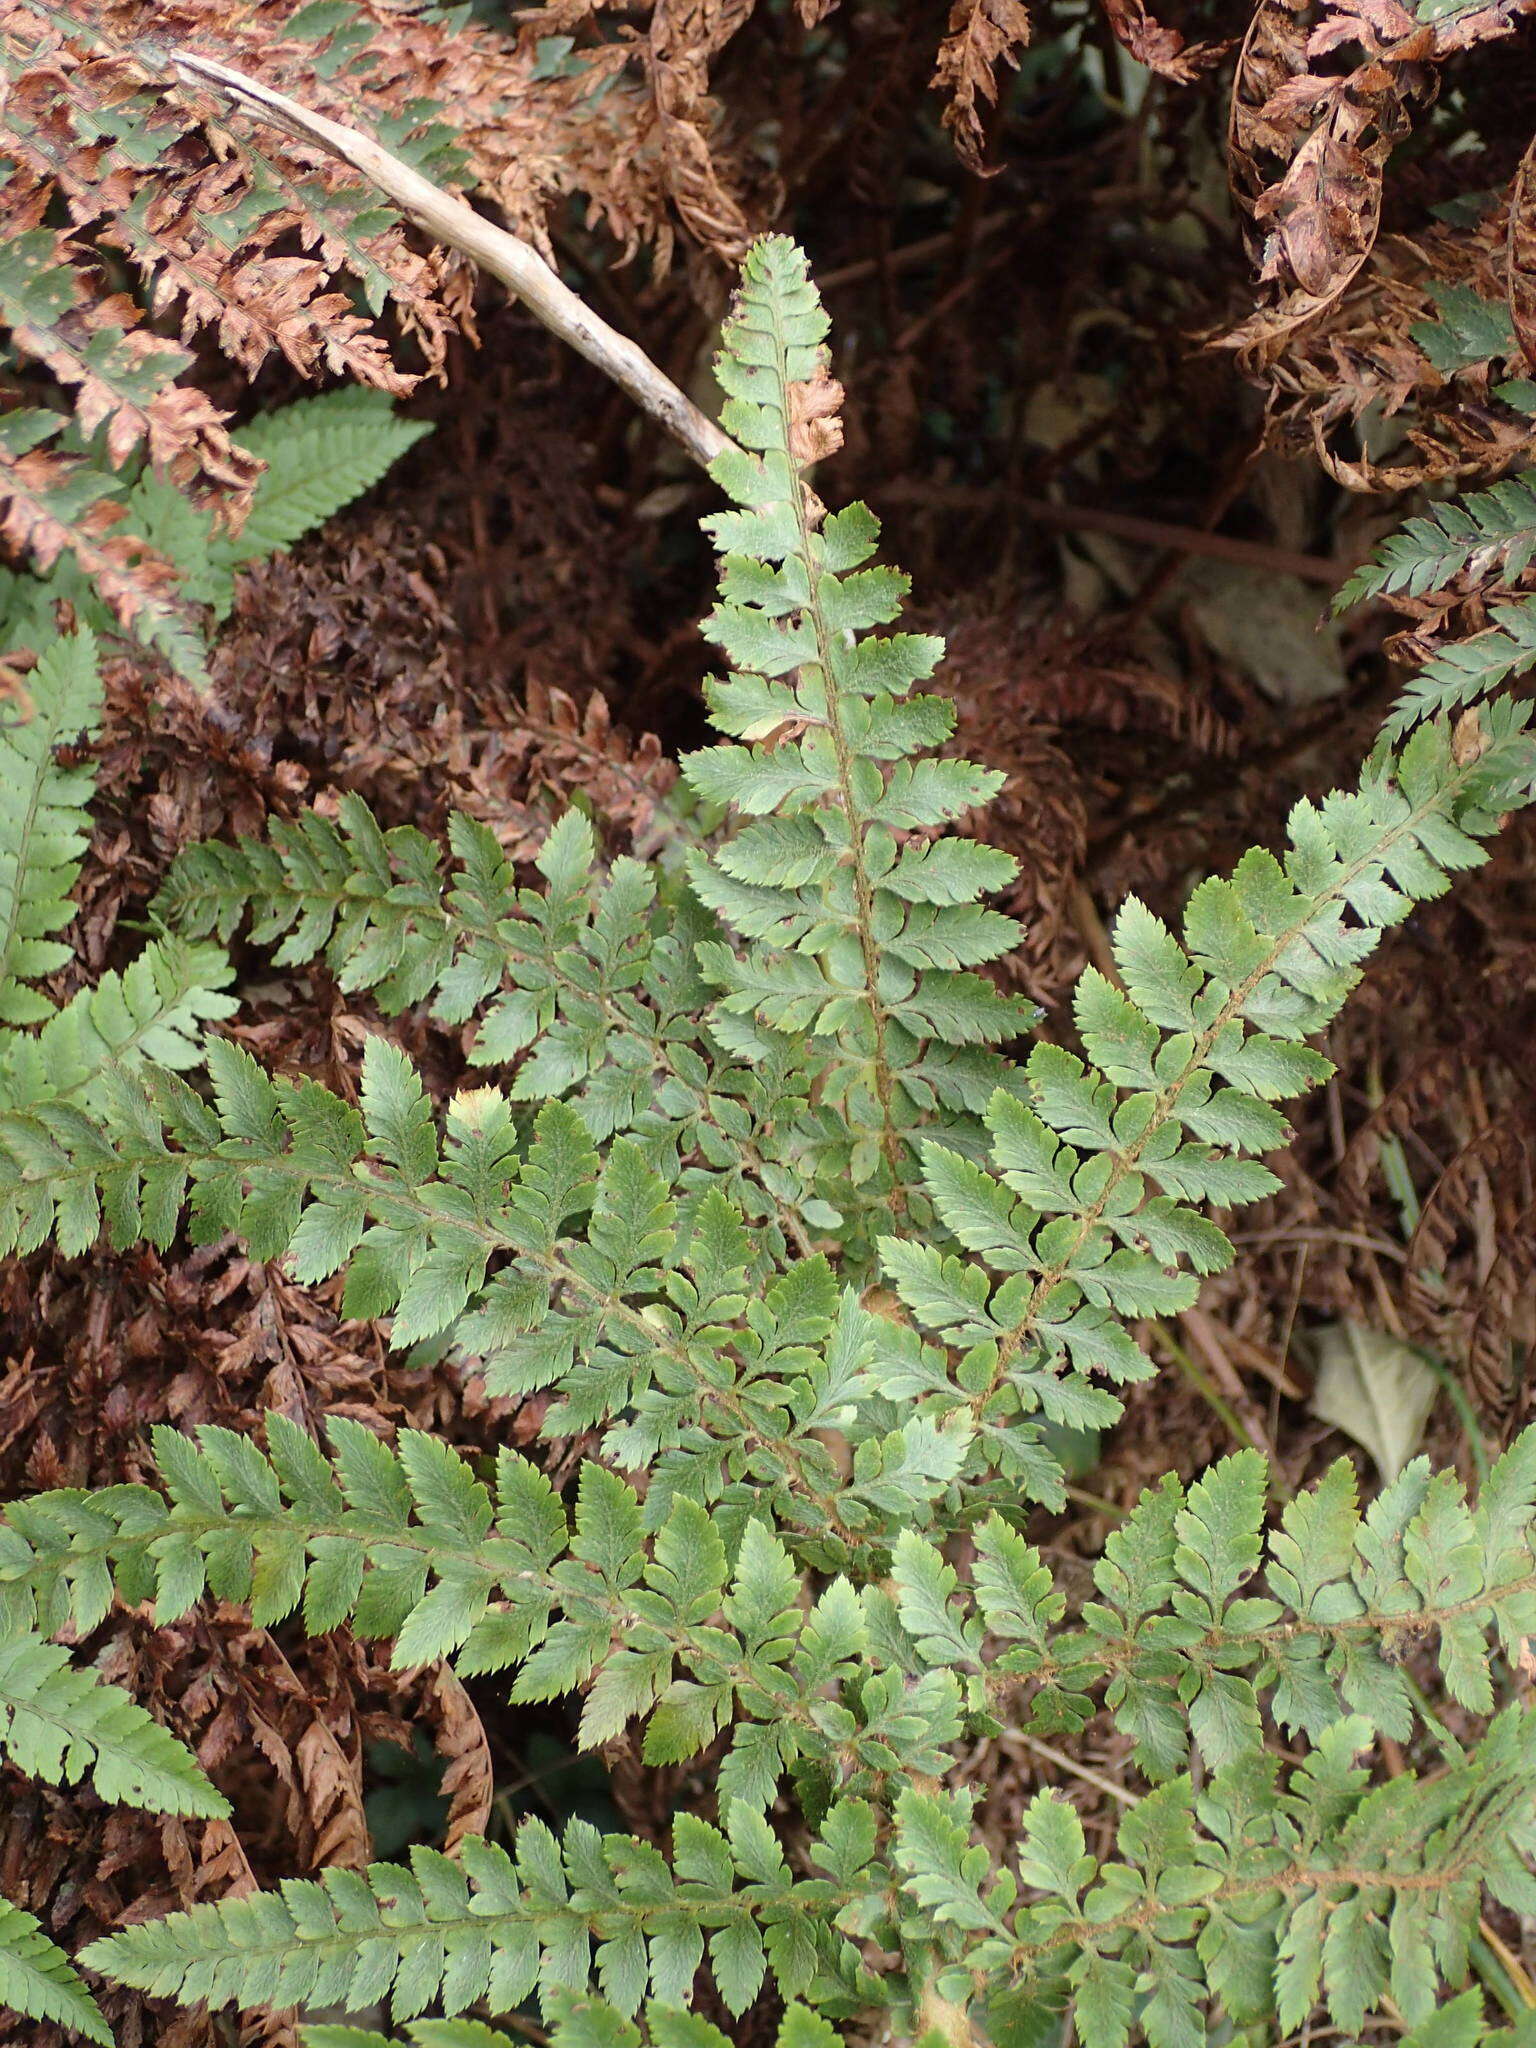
{"x": 503, "y": 1926}
{"x": 419, "y": 2034}
{"x": 37, "y": 1982}
{"x": 320, "y": 454}
{"x": 1492, "y": 530}
{"x": 61, "y": 1724}
{"x": 154, "y": 1010}
{"x": 1087, "y": 1215}
{"x": 578, "y": 2022}
{"x": 44, "y": 825}
{"x": 584, "y": 986}
{"x": 583, "y": 2022}
{"x": 1274, "y": 1895}
{"x": 1189, "y": 1648}
{"x": 641, "y": 1317}
{"x": 412, "y": 1545}
{"x": 858, "y": 943}
{"x": 1469, "y": 669}
{"x": 566, "y": 964}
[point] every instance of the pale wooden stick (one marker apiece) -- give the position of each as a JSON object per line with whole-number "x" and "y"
{"x": 506, "y": 256}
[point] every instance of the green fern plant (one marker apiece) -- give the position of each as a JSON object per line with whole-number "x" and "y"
{"x": 59, "y": 1723}
{"x": 755, "y": 1191}
{"x": 1490, "y": 535}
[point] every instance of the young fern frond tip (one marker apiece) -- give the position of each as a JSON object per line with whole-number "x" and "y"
{"x": 857, "y": 937}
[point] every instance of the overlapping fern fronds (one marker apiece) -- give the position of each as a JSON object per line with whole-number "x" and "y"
{"x": 411, "y": 1545}
{"x": 1274, "y": 1891}
{"x": 1487, "y": 537}
{"x": 754, "y": 1191}
{"x": 96, "y": 129}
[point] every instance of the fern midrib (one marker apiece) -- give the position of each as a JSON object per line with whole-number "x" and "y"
{"x": 1296, "y": 1877}
{"x": 1115, "y": 1654}
{"x": 268, "y": 1533}
{"x": 1126, "y": 1159}
{"x": 596, "y": 1916}
{"x": 1107, "y": 1655}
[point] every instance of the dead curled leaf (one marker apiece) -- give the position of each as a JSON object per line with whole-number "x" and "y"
{"x": 684, "y": 38}
{"x": 469, "y": 1776}
{"x": 982, "y": 36}
{"x": 1376, "y": 1388}
{"x": 1160, "y": 48}
{"x": 815, "y": 425}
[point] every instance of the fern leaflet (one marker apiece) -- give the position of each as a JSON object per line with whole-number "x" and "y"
{"x": 37, "y": 1982}
{"x": 62, "y": 1724}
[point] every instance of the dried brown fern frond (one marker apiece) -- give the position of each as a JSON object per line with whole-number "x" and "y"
{"x": 564, "y": 748}
{"x": 54, "y": 504}
{"x": 685, "y": 37}
{"x": 1365, "y": 355}
{"x": 146, "y": 169}
{"x": 1350, "y": 323}
{"x": 983, "y": 36}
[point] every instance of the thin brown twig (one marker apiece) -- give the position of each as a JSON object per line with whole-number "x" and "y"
{"x": 1158, "y": 533}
